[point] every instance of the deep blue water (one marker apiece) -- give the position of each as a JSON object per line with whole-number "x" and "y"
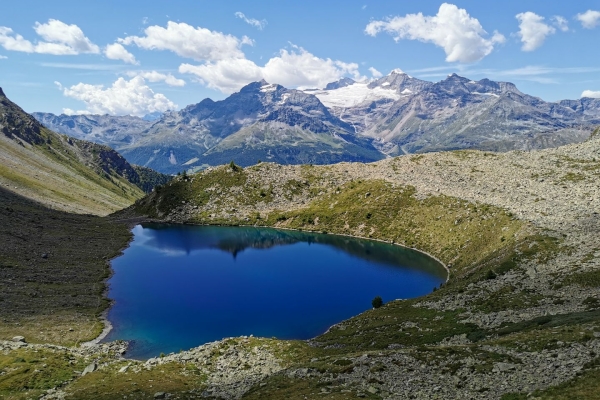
{"x": 177, "y": 287}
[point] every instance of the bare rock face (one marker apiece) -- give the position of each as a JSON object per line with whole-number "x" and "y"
{"x": 16, "y": 123}
{"x": 458, "y": 113}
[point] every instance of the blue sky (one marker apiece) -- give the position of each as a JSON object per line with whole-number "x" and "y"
{"x": 119, "y": 57}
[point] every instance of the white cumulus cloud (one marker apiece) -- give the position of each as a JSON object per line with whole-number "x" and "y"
{"x": 154, "y": 76}
{"x": 226, "y": 76}
{"x": 374, "y": 73}
{"x": 199, "y": 44}
{"x": 124, "y": 97}
{"x": 589, "y": 19}
{"x": 13, "y": 42}
{"x": 116, "y": 51}
{"x": 3, "y": 57}
{"x": 69, "y": 111}
{"x": 296, "y": 68}
{"x": 591, "y": 94}
{"x": 222, "y": 65}
{"x": 302, "y": 69}
{"x": 461, "y": 36}
{"x": 64, "y": 39}
{"x": 532, "y": 30}
{"x": 58, "y": 39}
{"x": 260, "y": 25}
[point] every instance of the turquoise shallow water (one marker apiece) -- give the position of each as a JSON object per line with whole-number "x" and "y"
{"x": 177, "y": 287}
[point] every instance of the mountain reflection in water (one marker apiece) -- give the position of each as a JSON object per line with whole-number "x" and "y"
{"x": 233, "y": 240}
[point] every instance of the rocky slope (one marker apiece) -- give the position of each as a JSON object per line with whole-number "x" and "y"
{"x": 65, "y": 173}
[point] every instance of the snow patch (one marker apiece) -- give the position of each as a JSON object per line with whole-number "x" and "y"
{"x": 284, "y": 98}
{"x": 486, "y": 94}
{"x": 192, "y": 161}
{"x": 353, "y": 95}
{"x": 406, "y": 91}
{"x": 172, "y": 158}
{"x": 268, "y": 88}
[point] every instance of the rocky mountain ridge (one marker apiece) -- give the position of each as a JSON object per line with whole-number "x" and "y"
{"x": 346, "y": 121}
{"x": 262, "y": 121}
{"x": 458, "y": 113}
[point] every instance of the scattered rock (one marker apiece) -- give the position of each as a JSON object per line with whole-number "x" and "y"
{"x": 89, "y": 369}
{"x": 19, "y": 339}
{"x": 160, "y": 395}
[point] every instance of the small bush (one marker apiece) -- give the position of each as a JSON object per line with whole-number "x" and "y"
{"x": 476, "y": 336}
{"x": 377, "y": 302}
{"x": 234, "y": 167}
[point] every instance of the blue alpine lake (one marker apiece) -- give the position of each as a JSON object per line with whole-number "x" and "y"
{"x": 180, "y": 286}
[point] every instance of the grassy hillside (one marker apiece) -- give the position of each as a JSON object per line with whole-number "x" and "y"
{"x": 64, "y": 173}
{"x": 149, "y": 178}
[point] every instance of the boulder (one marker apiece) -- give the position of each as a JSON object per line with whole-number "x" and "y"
{"x": 89, "y": 369}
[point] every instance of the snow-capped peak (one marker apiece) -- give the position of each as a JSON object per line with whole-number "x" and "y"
{"x": 397, "y": 71}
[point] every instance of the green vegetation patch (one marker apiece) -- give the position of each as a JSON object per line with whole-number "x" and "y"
{"x": 551, "y": 321}
{"x": 458, "y": 232}
{"x": 279, "y": 386}
{"x": 149, "y": 179}
{"x": 27, "y": 373}
{"x": 547, "y": 336}
{"x": 197, "y": 189}
{"x": 585, "y": 279}
{"x": 183, "y": 381}
{"x": 397, "y": 324}
{"x": 584, "y": 386}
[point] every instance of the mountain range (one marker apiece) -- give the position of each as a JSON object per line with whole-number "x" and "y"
{"x": 347, "y": 121}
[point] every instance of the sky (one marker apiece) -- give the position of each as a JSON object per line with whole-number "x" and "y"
{"x": 122, "y": 58}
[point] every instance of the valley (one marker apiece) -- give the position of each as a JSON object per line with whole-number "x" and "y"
{"x": 251, "y": 201}
{"x": 518, "y": 317}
